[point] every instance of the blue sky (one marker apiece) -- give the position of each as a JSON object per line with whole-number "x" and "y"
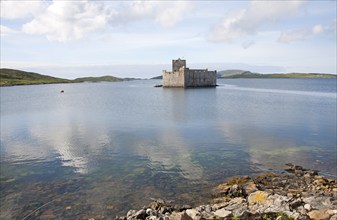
{"x": 140, "y": 38}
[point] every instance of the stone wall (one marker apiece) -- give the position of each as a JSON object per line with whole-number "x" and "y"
{"x": 199, "y": 78}
{"x": 175, "y": 79}
{"x": 177, "y": 64}
{"x": 185, "y": 77}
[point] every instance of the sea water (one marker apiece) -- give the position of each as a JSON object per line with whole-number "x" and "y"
{"x": 99, "y": 149}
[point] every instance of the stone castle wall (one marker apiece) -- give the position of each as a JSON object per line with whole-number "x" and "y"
{"x": 199, "y": 78}
{"x": 175, "y": 79}
{"x": 185, "y": 77}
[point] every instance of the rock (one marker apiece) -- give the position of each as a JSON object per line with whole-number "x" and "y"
{"x": 194, "y": 214}
{"x": 307, "y": 207}
{"x": 319, "y": 202}
{"x": 179, "y": 216}
{"x": 296, "y": 203}
{"x": 148, "y": 211}
{"x": 208, "y": 208}
{"x": 332, "y": 212}
{"x": 302, "y": 210}
{"x": 318, "y": 215}
{"x": 300, "y": 195}
{"x": 250, "y": 187}
{"x": 130, "y": 213}
{"x": 299, "y": 172}
{"x": 185, "y": 207}
{"x": 236, "y": 191}
{"x": 257, "y": 197}
{"x": 334, "y": 217}
{"x": 141, "y": 214}
{"x": 222, "y": 213}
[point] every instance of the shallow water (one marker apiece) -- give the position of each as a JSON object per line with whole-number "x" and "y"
{"x": 101, "y": 148}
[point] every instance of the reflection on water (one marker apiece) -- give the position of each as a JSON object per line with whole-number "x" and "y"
{"x": 100, "y": 149}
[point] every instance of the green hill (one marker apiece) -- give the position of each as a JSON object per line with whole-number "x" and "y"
{"x": 229, "y": 73}
{"x": 99, "y": 79}
{"x": 248, "y": 74}
{"x": 157, "y": 77}
{"x": 10, "y": 77}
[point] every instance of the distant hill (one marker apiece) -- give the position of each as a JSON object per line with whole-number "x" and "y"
{"x": 157, "y": 77}
{"x": 248, "y": 74}
{"x": 11, "y": 77}
{"x": 99, "y": 79}
{"x": 229, "y": 73}
{"x": 236, "y": 73}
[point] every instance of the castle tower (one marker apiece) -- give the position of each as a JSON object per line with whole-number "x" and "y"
{"x": 181, "y": 76}
{"x": 177, "y": 64}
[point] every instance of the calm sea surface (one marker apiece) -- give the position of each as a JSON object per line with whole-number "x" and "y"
{"x": 101, "y": 148}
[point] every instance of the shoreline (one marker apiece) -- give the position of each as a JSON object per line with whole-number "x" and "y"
{"x": 295, "y": 193}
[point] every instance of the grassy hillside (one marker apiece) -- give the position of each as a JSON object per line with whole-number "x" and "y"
{"x": 229, "y": 73}
{"x": 10, "y": 77}
{"x": 99, "y": 79}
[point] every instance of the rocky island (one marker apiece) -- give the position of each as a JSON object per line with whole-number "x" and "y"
{"x": 295, "y": 193}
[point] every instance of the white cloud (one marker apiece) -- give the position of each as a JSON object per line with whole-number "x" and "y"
{"x": 165, "y": 13}
{"x": 72, "y": 20}
{"x": 301, "y": 34}
{"x": 69, "y": 20}
{"x": 169, "y": 16}
{"x": 250, "y": 20}
{"x": 247, "y": 44}
{"x": 20, "y": 9}
{"x": 5, "y": 31}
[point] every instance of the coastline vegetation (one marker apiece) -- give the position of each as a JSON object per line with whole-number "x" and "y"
{"x": 12, "y": 77}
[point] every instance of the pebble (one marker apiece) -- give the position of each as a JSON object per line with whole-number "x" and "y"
{"x": 307, "y": 207}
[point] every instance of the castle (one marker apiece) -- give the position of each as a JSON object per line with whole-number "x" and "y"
{"x": 181, "y": 76}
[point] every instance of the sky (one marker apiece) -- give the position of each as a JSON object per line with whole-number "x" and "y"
{"x": 71, "y": 39}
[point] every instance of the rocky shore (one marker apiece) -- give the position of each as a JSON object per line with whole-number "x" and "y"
{"x": 296, "y": 193}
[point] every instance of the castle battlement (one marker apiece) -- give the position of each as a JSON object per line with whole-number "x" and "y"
{"x": 181, "y": 76}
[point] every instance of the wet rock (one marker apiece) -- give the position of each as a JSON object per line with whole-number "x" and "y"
{"x": 250, "y": 187}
